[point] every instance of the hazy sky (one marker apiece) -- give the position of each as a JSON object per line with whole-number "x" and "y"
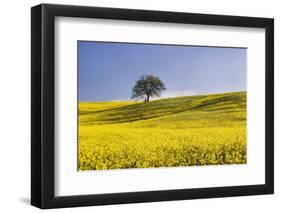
{"x": 108, "y": 71}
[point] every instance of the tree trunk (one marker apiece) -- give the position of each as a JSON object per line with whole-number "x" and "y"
{"x": 147, "y": 98}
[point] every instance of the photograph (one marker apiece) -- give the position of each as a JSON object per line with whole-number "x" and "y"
{"x": 136, "y": 105}
{"x": 160, "y": 105}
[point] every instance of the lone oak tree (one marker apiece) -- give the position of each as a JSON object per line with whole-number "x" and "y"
{"x": 148, "y": 86}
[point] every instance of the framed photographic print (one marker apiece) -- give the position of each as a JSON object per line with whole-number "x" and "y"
{"x": 139, "y": 106}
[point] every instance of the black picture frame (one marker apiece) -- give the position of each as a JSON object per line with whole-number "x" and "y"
{"x": 43, "y": 102}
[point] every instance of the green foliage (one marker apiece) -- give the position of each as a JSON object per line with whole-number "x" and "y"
{"x": 148, "y": 86}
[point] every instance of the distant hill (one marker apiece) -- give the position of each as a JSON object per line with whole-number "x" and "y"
{"x": 123, "y": 112}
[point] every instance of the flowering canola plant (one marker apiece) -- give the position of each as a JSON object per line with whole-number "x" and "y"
{"x": 172, "y": 132}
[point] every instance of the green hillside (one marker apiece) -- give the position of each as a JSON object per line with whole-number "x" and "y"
{"x": 119, "y": 112}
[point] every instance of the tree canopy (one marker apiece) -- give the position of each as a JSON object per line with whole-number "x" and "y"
{"x": 148, "y": 86}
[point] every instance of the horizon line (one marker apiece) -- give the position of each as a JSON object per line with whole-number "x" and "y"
{"x": 157, "y": 99}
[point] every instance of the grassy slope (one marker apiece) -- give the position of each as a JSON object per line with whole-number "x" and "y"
{"x": 121, "y": 112}
{"x": 148, "y": 131}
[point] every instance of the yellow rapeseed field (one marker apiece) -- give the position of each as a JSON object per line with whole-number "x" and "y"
{"x": 183, "y": 131}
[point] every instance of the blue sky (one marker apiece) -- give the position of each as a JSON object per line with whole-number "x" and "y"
{"x": 108, "y": 71}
